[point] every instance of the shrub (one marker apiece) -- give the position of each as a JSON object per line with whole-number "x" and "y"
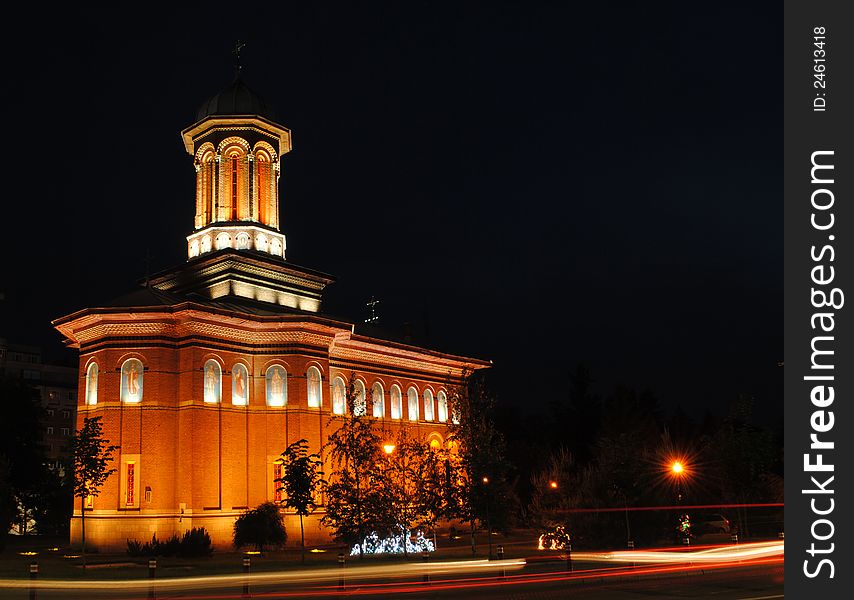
{"x": 195, "y": 542}
{"x": 261, "y": 526}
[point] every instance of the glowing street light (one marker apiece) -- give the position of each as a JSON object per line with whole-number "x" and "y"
{"x": 678, "y": 470}
{"x": 553, "y": 485}
{"x": 488, "y": 522}
{"x": 388, "y": 448}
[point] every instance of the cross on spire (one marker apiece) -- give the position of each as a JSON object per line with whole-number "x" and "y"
{"x": 372, "y": 304}
{"x": 238, "y": 46}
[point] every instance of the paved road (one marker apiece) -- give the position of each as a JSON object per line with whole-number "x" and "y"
{"x": 535, "y": 582}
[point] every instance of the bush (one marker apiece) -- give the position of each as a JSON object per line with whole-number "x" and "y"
{"x": 195, "y": 542}
{"x": 261, "y": 526}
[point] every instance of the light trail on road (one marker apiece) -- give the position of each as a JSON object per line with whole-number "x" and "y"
{"x": 318, "y": 575}
{"x": 717, "y": 553}
{"x": 443, "y": 575}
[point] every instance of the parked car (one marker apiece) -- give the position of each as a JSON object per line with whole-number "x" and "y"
{"x": 711, "y": 523}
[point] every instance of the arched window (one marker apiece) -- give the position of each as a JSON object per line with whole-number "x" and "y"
{"x": 276, "y": 381}
{"x": 315, "y": 393}
{"x": 239, "y": 385}
{"x": 360, "y": 407}
{"x": 396, "y": 403}
{"x": 223, "y": 240}
{"x": 338, "y": 394}
{"x": 131, "y": 386}
{"x": 206, "y": 187}
{"x": 233, "y": 184}
{"x": 378, "y": 399}
{"x": 428, "y": 405}
{"x": 262, "y": 243}
{"x": 92, "y": 384}
{"x": 442, "y": 406}
{"x": 213, "y": 382}
{"x": 263, "y": 177}
{"x": 412, "y": 402}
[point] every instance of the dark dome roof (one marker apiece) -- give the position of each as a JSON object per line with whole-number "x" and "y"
{"x": 236, "y": 99}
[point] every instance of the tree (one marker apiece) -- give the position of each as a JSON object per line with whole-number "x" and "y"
{"x": 479, "y": 471}
{"x": 91, "y": 454}
{"x": 353, "y": 503}
{"x": 301, "y": 476}
{"x": 22, "y": 456}
{"x": 744, "y": 459}
{"x": 411, "y": 488}
{"x": 260, "y": 526}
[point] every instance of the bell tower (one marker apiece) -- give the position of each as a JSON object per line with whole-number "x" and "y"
{"x": 236, "y": 249}
{"x": 237, "y": 148}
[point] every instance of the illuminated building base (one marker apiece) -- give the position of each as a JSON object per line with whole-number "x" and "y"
{"x": 238, "y": 236}
{"x": 108, "y": 531}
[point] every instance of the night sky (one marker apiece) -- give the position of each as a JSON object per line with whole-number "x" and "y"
{"x": 539, "y": 184}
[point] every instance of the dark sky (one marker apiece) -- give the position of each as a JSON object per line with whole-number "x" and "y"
{"x": 541, "y": 184}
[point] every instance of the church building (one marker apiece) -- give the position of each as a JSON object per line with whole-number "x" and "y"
{"x": 206, "y": 373}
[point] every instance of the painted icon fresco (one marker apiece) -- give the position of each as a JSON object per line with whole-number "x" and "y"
{"x": 442, "y": 406}
{"x": 314, "y": 390}
{"x": 92, "y": 384}
{"x": 338, "y": 395}
{"x": 360, "y": 407}
{"x": 213, "y": 382}
{"x": 378, "y": 400}
{"x": 132, "y": 371}
{"x": 428, "y": 405}
{"x": 239, "y": 385}
{"x": 412, "y": 404}
{"x": 276, "y": 385}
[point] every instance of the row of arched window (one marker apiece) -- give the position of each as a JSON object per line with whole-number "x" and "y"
{"x": 276, "y": 391}
{"x": 224, "y": 177}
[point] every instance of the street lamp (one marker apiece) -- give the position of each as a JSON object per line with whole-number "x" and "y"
{"x": 488, "y": 523}
{"x": 678, "y": 470}
{"x": 389, "y": 449}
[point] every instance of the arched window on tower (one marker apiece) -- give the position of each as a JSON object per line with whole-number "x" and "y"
{"x": 442, "y": 405}
{"x": 338, "y": 394}
{"x": 378, "y": 399}
{"x": 213, "y": 382}
{"x": 277, "y": 386}
{"x": 92, "y": 384}
{"x": 263, "y": 178}
{"x": 412, "y": 403}
{"x": 206, "y": 187}
{"x": 131, "y": 386}
{"x": 360, "y": 407}
{"x": 234, "y": 196}
{"x": 315, "y": 397}
{"x": 396, "y": 403}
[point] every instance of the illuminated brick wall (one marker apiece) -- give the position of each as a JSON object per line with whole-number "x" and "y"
{"x": 200, "y": 464}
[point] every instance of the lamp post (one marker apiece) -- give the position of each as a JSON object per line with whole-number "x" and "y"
{"x": 488, "y": 523}
{"x": 678, "y": 470}
{"x": 389, "y": 449}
